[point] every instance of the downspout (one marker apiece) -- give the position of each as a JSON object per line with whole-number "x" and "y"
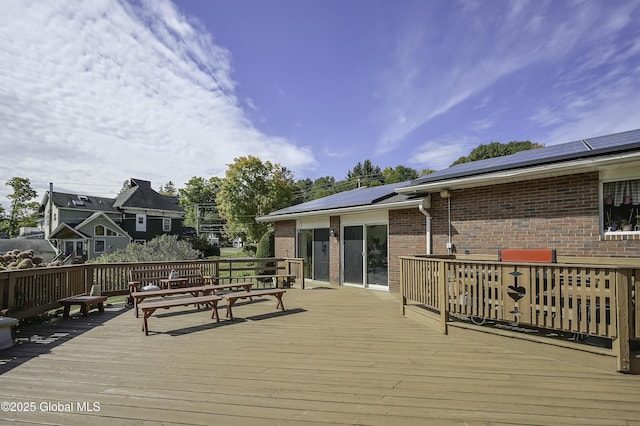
{"x": 428, "y": 220}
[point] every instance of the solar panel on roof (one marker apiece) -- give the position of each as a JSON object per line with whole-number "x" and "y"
{"x": 355, "y": 197}
{"x": 549, "y": 154}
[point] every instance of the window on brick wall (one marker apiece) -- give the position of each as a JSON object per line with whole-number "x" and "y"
{"x": 621, "y": 206}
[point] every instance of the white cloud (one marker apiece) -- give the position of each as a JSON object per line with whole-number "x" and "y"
{"x": 457, "y": 56}
{"x": 97, "y": 92}
{"x": 439, "y": 153}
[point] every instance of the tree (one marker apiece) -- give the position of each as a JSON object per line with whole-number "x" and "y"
{"x": 253, "y": 188}
{"x": 399, "y": 174}
{"x": 496, "y": 149}
{"x": 199, "y": 199}
{"x": 168, "y": 189}
{"x": 365, "y": 174}
{"x": 23, "y": 211}
{"x": 307, "y": 190}
{"x": 126, "y": 185}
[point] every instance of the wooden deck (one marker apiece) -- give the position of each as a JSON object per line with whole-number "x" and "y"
{"x": 336, "y": 356}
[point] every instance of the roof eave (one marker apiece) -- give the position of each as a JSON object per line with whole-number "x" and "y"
{"x": 340, "y": 211}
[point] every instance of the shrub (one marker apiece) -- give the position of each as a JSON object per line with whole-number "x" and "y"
{"x": 204, "y": 246}
{"x": 162, "y": 248}
{"x": 266, "y": 248}
{"x": 266, "y": 245}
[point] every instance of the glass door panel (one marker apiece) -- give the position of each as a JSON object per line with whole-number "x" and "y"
{"x": 353, "y": 254}
{"x": 377, "y": 268}
{"x": 321, "y": 254}
{"x": 305, "y": 250}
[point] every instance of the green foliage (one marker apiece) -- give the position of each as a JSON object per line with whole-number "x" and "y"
{"x": 23, "y": 211}
{"x": 399, "y": 174}
{"x": 253, "y": 188}
{"x": 496, "y": 149}
{"x": 249, "y": 250}
{"x": 168, "y": 189}
{"x": 162, "y": 248}
{"x": 205, "y": 247}
{"x": 364, "y": 174}
{"x": 267, "y": 245}
{"x": 199, "y": 199}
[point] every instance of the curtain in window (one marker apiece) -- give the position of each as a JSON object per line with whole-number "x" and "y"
{"x": 623, "y": 192}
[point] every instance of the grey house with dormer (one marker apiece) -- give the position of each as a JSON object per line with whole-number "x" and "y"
{"x": 83, "y": 226}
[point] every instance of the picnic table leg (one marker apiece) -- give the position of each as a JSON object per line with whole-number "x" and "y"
{"x": 146, "y": 313}
{"x": 214, "y": 311}
{"x": 135, "y": 305}
{"x": 101, "y": 307}
{"x": 248, "y": 289}
{"x": 84, "y": 309}
{"x": 280, "y": 304}
{"x": 67, "y": 309}
{"x": 230, "y": 303}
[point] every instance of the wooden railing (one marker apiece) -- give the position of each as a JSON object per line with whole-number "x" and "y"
{"x": 586, "y": 299}
{"x": 24, "y": 293}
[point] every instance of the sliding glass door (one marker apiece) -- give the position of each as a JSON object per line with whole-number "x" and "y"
{"x": 365, "y": 256}
{"x": 313, "y": 247}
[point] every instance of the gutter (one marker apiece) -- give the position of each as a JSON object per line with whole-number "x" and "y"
{"x": 428, "y": 223}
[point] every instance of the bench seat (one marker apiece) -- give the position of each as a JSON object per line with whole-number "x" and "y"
{"x": 280, "y": 280}
{"x": 139, "y": 296}
{"x": 149, "y": 307}
{"x": 232, "y": 298}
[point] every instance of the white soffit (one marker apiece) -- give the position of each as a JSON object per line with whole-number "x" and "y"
{"x": 313, "y": 222}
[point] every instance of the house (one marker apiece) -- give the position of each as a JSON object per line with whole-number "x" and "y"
{"x": 84, "y": 226}
{"x": 581, "y": 198}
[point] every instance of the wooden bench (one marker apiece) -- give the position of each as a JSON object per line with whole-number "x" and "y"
{"x": 149, "y": 307}
{"x": 140, "y": 277}
{"x": 85, "y": 303}
{"x": 232, "y": 298}
{"x": 280, "y": 280}
{"x": 139, "y": 296}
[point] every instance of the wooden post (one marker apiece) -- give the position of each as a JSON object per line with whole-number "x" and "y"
{"x": 11, "y": 297}
{"x": 403, "y": 299}
{"x": 443, "y": 296}
{"x": 623, "y": 314}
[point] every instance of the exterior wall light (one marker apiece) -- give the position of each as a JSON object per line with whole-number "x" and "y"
{"x": 333, "y": 233}
{"x": 445, "y": 193}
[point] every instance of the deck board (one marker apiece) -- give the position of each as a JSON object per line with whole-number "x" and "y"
{"x": 336, "y": 356}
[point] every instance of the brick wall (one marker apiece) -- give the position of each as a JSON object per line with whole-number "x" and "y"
{"x": 558, "y": 212}
{"x": 407, "y": 236}
{"x": 285, "y": 236}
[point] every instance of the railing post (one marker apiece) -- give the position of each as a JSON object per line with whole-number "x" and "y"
{"x": 623, "y": 314}
{"x": 11, "y": 297}
{"x": 443, "y": 296}
{"x": 403, "y": 300}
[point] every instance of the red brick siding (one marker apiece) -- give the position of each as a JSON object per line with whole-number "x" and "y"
{"x": 285, "y": 237}
{"x": 407, "y": 236}
{"x": 559, "y": 212}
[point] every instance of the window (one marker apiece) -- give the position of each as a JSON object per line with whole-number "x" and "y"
{"x": 141, "y": 223}
{"x": 621, "y": 206}
{"x": 99, "y": 230}
{"x": 111, "y": 233}
{"x": 166, "y": 224}
{"x": 98, "y": 246}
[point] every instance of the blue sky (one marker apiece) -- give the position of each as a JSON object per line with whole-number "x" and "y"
{"x": 95, "y": 92}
